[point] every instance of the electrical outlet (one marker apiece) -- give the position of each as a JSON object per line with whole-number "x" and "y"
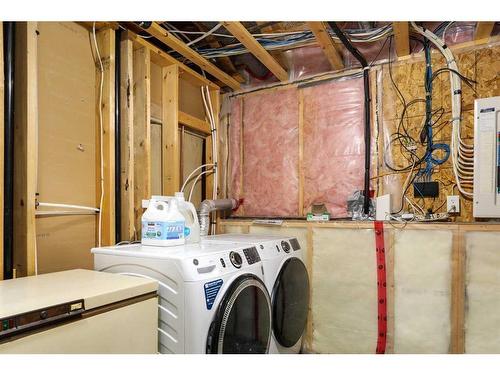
{"x": 453, "y": 204}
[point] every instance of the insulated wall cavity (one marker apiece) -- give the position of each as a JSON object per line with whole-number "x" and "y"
{"x": 270, "y": 153}
{"x": 333, "y": 143}
{"x": 344, "y": 291}
{"x": 482, "y": 318}
{"x": 422, "y": 295}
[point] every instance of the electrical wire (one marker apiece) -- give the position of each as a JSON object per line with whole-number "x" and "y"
{"x": 101, "y": 87}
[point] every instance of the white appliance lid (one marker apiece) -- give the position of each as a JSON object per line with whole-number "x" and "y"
{"x": 95, "y": 288}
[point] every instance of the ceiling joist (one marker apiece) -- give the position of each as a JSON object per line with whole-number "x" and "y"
{"x": 256, "y": 49}
{"x": 320, "y": 31}
{"x": 401, "y": 38}
{"x": 483, "y": 30}
{"x": 179, "y": 46}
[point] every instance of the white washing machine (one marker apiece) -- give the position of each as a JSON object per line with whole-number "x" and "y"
{"x": 211, "y": 296}
{"x": 287, "y": 281}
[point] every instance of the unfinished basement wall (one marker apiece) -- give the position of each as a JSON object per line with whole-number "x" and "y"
{"x": 67, "y": 144}
{"x": 441, "y": 285}
{"x": 321, "y": 143}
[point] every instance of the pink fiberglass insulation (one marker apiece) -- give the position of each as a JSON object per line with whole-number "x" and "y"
{"x": 270, "y": 153}
{"x": 333, "y": 143}
{"x": 234, "y": 187}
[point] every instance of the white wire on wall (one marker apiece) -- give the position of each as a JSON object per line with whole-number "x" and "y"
{"x": 461, "y": 153}
{"x": 101, "y": 86}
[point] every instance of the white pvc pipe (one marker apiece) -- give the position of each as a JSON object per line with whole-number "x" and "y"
{"x": 63, "y": 205}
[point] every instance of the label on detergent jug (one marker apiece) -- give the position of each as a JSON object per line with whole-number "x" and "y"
{"x": 157, "y": 230}
{"x": 211, "y": 290}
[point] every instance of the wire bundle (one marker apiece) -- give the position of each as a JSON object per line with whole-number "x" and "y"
{"x": 285, "y": 40}
{"x": 462, "y": 154}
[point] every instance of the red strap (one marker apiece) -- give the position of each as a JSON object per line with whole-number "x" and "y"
{"x": 381, "y": 286}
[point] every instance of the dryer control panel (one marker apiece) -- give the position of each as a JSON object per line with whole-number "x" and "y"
{"x": 252, "y": 255}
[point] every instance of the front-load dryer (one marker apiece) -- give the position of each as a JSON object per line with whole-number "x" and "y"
{"x": 212, "y": 298}
{"x": 287, "y": 281}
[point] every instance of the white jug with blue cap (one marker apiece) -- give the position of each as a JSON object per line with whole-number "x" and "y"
{"x": 163, "y": 224}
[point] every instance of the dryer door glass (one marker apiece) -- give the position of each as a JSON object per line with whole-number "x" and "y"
{"x": 290, "y": 302}
{"x": 243, "y": 320}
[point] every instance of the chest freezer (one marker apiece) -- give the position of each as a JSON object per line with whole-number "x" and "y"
{"x": 78, "y": 311}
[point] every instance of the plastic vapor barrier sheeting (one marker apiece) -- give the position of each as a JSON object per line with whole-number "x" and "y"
{"x": 270, "y": 153}
{"x": 422, "y": 296}
{"x": 482, "y": 318}
{"x": 344, "y": 291}
{"x": 333, "y": 143}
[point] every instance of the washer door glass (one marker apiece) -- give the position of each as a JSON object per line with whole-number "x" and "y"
{"x": 290, "y": 302}
{"x": 242, "y": 323}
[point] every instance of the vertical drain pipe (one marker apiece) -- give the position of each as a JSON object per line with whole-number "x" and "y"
{"x": 364, "y": 64}
{"x": 8, "y": 229}
{"x": 118, "y": 167}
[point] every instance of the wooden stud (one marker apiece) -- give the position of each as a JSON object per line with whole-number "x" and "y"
{"x": 173, "y": 42}
{"x": 458, "y": 293}
{"x": 106, "y": 42}
{"x": 483, "y": 30}
{"x": 170, "y": 130}
{"x": 320, "y": 31}
{"x": 194, "y": 123}
{"x": 256, "y": 49}
{"x": 127, "y": 140}
{"x": 162, "y": 58}
{"x": 301, "y": 153}
{"x": 389, "y": 260}
{"x": 25, "y": 148}
{"x": 142, "y": 132}
{"x": 401, "y": 38}
{"x": 309, "y": 265}
{"x": 2, "y": 128}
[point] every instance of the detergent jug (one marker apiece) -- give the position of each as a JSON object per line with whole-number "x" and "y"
{"x": 163, "y": 224}
{"x": 192, "y": 229}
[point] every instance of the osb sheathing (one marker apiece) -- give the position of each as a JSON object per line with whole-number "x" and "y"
{"x": 481, "y": 65}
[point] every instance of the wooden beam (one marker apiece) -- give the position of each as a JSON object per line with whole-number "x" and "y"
{"x": 225, "y": 61}
{"x": 171, "y": 171}
{"x": 142, "y": 132}
{"x": 162, "y": 58}
{"x": 320, "y": 31}
{"x": 25, "y": 148}
{"x": 401, "y": 38}
{"x": 256, "y": 49}
{"x": 194, "y": 123}
{"x": 2, "y": 128}
{"x": 173, "y": 42}
{"x": 483, "y": 30}
{"x": 127, "y": 140}
{"x": 106, "y": 42}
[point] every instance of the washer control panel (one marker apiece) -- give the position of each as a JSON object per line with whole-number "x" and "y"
{"x": 285, "y": 246}
{"x": 236, "y": 259}
{"x": 252, "y": 255}
{"x": 295, "y": 244}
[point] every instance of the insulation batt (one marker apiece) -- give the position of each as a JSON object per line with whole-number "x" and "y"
{"x": 422, "y": 296}
{"x": 344, "y": 291}
{"x": 270, "y": 153}
{"x": 482, "y": 318}
{"x": 333, "y": 143}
